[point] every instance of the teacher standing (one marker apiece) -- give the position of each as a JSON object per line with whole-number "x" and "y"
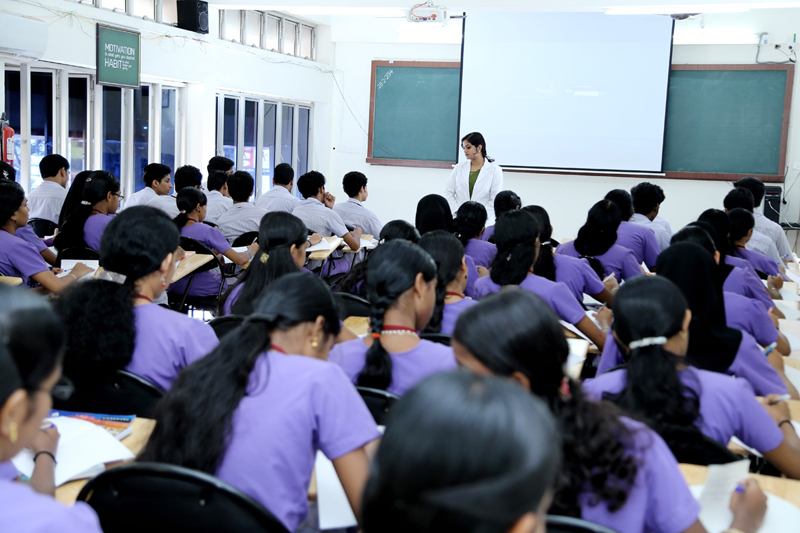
{"x": 477, "y": 179}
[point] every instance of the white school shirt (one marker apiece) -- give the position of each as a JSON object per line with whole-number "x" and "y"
{"x": 46, "y": 200}
{"x": 770, "y": 229}
{"x": 352, "y": 212}
{"x": 277, "y": 199}
{"x": 143, "y": 197}
{"x": 319, "y": 219}
{"x": 488, "y": 184}
{"x": 242, "y": 218}
{"x": 217, "y": 205}
{"x": 167, "y": 204}
{"x": 663, "y": 235}
{"x": 762, "y": 244}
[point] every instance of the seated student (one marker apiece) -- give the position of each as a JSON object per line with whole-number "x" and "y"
{"x": 26, "y": 232}
{"x": 596, "y": 242}
{"x": 616, "y": 472}
{"x": 255, "y": 411}
{"x": 402, "y": 289}
{"x": 468, "y": 227}
{"x": 46, "y": 200}
{"x": 243, "y": 217}
{"x": 742, "y": 224}
{"x": 635, "y": 237}
{"x": 219, "y": 199}
{"x": 659, "y": 385}
{"x": 74, "y": 196}
{"x": 157, "y": 183}
{"x": 281, "y": 250}
{"x": 185, "y": 176}
{"x": 222, "y": 164}
{"x": 85, "y": 226}
{"x": 765, "y": 226}
{"x": 647, "y": 199}
{"x": 517, "y": 238}
{"x": 424, "y": 479}
{"x": 743, "y": 198}
{"x": 353, "y": 212}
{"x": 504, "y": 202}
{"x": 192, "y": 205}
{"x": 138, "y": 252}
{"x": 280, "y": 197}
{"x": 575, "y": 273}
{"x": 448, "y": 253}
{"x": 26, "y": 383}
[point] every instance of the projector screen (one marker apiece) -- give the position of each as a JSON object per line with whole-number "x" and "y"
{"x": 567, "y": 90}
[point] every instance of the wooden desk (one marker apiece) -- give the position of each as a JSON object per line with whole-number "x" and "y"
{"x": 787, "y": 489}
{"x": 794, "y": 363}
{"x": 135, "y": 442}
{"x": 357, "y": 324}
{"x": 335, "y": 242}
{"x": 366, "y": 237}
{"x": 189, "y": 265}
{"x": 10, "y": 280}
{"x": 790, "y": 327}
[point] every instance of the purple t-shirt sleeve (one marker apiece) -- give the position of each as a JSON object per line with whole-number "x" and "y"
{"x": 216, "y": 239}
{"x": 592, "y": 284}
{"x": 764, "y": 330}
{"x": 472, "y": 277}
{"x": 651, "y": 251}
{"x": 611, "y": 355}
{"x": 29, "y": 236}
{"x": 27, "y": 260}
{"x": 754, "y": 425}
{"x": 630, "y": 268}
{"x": 751, "y": 364}
{"x": 349, "y": 356}
{"x": 565, "y": 305}
{"x": 8, "y": 471}
{"x": 756, "y": 289}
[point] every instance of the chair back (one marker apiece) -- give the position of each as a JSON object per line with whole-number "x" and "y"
{"x": 164, "y": 497}
{"x": 193, "y": 245}
{"x": 77, "y": 253}
{"x": 441, "y": 338}
{"x": 352, "y": 305}
{"x": 245, "y": 239}
{"x": 566, "y": 524}
{"x": 42, "y": 227}
{"x": 207, "y": 223}
{"x": 122, "y": 393}
{"x": 225, "y": 324}
{"x": 379, "y": 402}
{"x": 698, "y": 449}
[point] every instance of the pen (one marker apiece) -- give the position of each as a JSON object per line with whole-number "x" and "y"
{"x": 47, "y": 426}
{"x": 608, "y": 278}
{"x": 781, "y": 398}
{"x": 770, "y": 348}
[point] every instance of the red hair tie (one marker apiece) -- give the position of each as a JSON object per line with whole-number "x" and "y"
{"x": 376, "y": 335}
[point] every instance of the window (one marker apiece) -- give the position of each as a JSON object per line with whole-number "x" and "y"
{"x": 272, "y": 33}
{"x": 230, "y": 25}
{"x": 169, "y": 11}
{"x": 268, "y": 151}
{"x": 250, "y": 129}
{"x": 141, "y": 144}
{"x": 306, "y": 42}
{"x": 169, "y": 121}
{"x": 41, "y": 122}
{"x": 118, "y": 5}
{"x": 287, "y": 129}
{"x": 78, "y": 121}
{"x": 13, "y": 115}
{"x": 303, "y": 140}
{"x": 144, "y": 8}
{"x": 112, "y": 115}
{"x": 289, "y": 37}
{"x": 230, "y": 128}
{"x": 252, "y": 29}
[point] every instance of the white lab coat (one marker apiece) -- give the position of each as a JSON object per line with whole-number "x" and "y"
{"x": 489, "y": 183}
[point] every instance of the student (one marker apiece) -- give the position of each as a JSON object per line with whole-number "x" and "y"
{"x": 74, "y": 196}
{"x": 517, "y": 238}
{"x": 658, "y": 385}
{"x": 468, "y": 227}
{"x": 352, "y": 212}
{"x": 742, "y": 224}
{"x": 765, "y": 226}
{"x": 426, "y": 480}
{"x": 575, "y": 273}
{"x": 740, "y": 197}
{"x": 192, "y": 205}
{"x": 433, "y": 212}
{"x": 448, "y": 253}
{"x": 26, "y": 384}
{"x": 85, "y": 226}
{"x": 157, "y": 183}
{"x": 402, "y": 289}
{"x": 596, "y": 242}
{"x": 222, "y": 164}
{"x": 138, "y": 252}
{"x": 255, "y": 411}
{"x": 243, "y": 217}
{"x": 647, "y": 199}
{"x": 635, "y": 237}
{"x": 399, "y": 229}
{"x": 477, "y": 178}
{"x": 280, "y": 197}
{"x": 26, "y": 232}
{"x": 504, "y": 202}
{"x": 219, "y": 199}
{"x": 281, "y": 250}
{"x": 185, "y": 176}
{"x": 46, "y": 200}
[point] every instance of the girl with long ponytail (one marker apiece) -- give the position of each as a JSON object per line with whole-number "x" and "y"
{"x": 401, "y": 284}
{"x": 469, "y": 225}
{"x": 255, "y": 411}
{"x": 85, "y": 225}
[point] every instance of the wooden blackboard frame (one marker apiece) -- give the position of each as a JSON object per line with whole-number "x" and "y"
{"x": 371, "y": 140}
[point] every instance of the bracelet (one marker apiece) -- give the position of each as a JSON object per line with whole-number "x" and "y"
{"x": 782, "y": 422}
{"x": 73, "y": 275}
{"x": 53, "y": 457}
{"x": 248, "y": 253}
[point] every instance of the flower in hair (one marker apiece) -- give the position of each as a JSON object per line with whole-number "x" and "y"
{"x": 183, "y": 211}
{"x": 264, "y": 257}
{"x": 648, "y": 341}
{"x": 85, "y": 202}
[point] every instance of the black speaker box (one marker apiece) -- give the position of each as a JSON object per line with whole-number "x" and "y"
{"x": 193, "y": 15}
{"x": 772, "y": 204}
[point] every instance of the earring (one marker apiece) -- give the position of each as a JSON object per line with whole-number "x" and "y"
{"x": 315, "y": 342}
{"x": 163, "y": 282}
{"x": 13, "y": 432}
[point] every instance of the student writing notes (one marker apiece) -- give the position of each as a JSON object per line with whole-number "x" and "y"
{"x": 85, "y": 226}
{"x": 255, "y": 411}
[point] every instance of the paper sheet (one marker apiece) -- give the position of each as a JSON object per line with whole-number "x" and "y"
{"x": 789, "y": 296}
{"x": 237, "y": 249}
{"x": 794, "y": 342}
{"x": 364, "y": 244}
{"x": 793, "y": 375}
{"x": 322, "y": 246}
{"x": 68, "y": 264}
{"x": 715, "y": 498}
{"x": 781, "y": 517}
{"x": 792, "y": 275}
{"x": 788, "y": 312}
{"x": 574, "y": 330}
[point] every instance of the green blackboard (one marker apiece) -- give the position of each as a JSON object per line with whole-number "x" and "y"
{"x": 414, "y": 113}
{"x": 727, "y": 121}
{"x": 118, "y": 57}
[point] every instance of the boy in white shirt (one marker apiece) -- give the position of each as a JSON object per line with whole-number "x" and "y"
{"x": 45, "y": 201}
{"x": 219, "y": 199}
{"x": 157, "y": 183}
{"x": 280, "y": 197}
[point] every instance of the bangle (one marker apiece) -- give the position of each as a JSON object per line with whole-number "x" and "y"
{"x": 782, "y": 422}
{"x": 73, "y": 275}
{"x": 53, "y": 457}
{"x": 248, "y": 253}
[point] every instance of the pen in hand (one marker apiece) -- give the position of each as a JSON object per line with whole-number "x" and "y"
{"x": 781, "y": 398}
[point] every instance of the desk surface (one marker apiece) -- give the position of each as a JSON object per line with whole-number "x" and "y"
{"x": 9, "y": 280}
{"x": 335, "y": 242}
{"x": 365, "y": 237}
{"x": 357, "y": 324}
{"x": 189, "y": 265}
{"x": 787, "y": 489}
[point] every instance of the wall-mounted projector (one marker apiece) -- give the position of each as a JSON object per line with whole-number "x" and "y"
{"x": 427, "y": 12}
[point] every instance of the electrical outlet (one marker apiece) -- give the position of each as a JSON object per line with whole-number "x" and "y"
{"x": 765, "y": 39}
{"x": 791, "y": 47}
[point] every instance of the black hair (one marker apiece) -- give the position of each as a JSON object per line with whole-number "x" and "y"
{"x": 99, "y": 313}
{"x": 697, "y": 234}
{"x": 216, "y": 180}
{"x": 353, "y": 182}
{"x": 739, "y": 197}
{"x": 448, "y": 254}
{"x": 277, "y": 232}
{"x": 516, "y": 331}
{"x": 646, "y": 197}
{"x": 399, "y": 229}
{"x": 545, "y": 265}
{"x": 309, "y": 183}
{"x": 516, "y": 234}
{"x": 7, "y": 172}
{"x": 506, "y": 201}
{"x": 219, "y": 163}
{"x": 755, "y": 186}
{"x": 51, "y": 164}
{"x": 74, "y": 195}
{"x": 599, "y": 233}
{"x": 194, "y": 420}
{"x": 742, "y": 221}
{"x": 187, "y": 176}
{"x": 155, "y": 172}
{"x": 623, "y": 200}
{"x": 240, "y": 186}
{"x": 283, "y": 174}
{"x": 393, "y": 269}
{"x": 718, "y": 219}
{"x": 433, "y": 212}
{"x": 470, "y": 220}
{"x": 11, "y": 197}
{"x": 96, "y": 189}
{"x": 476, "y": 139}
{"x": 187, "y": 201}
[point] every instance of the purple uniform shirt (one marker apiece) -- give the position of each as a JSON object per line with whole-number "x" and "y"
{"x": 472, "y": 277}
{"x": 19, "y": 258}
{"x": 481, "y": 252}
{"x": 204, "y": 283}
{"x": 232, "y": 297}
{"x": 759, "y": 261}
{"x": 8, "y": 471}
{"x": 26, "y": 234}
{"x": 166, "y": 342}
{"x": 94, "y": 228}
{"x": 26, "y": 511}
{"x": 487, "y": 233}
{"x": 557, "y": 295}
{"x": 641, "y": 241}
{"x": 451, "y": 311}
{"x": 577, "y": 274}
{"x": 294, "y": 407}
{"x": 408, "y": 368}
{"x": 748, "y": 315}
{"x": 617, "y": 260}
{"x": 741, "y": 281}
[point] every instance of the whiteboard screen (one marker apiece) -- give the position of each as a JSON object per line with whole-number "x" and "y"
{"x": 567, "y": 90}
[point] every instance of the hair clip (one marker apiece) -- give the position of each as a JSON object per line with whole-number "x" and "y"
{"x": 376, "y": 335}
{"x": 85, "y": 202}
{"x": 264, "y": 257}
{"x": 649, "y": 341}
{"x": 183, "y": 211}
{"x": 88, "y": 180}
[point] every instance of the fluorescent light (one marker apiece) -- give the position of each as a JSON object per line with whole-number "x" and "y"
{"x": 677, "y": 8}
{"x": 714, "y": 36}
{"x": 349, "y": 11}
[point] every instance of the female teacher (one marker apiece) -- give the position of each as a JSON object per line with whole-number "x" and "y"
{"x": 476, "y": 179}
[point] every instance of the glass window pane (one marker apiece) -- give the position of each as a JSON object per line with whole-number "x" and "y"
{"x": 169, "y": 11}
{"x": 144, "y": 8}
{"x": 250, "y": 129}
{"x": 272, "y": 33}
{"x": 231, "y": 27}
{"x": 253, "y": 28}
{"x": 169, "y": 115}
{"x": 230, "y": 128}
{"x": 41, "y": 122}
{"x": 302, "y": 140}
{"x": 13, "y": 115}
{"x": 287, "y": 124}
{"x": 305, "y": 41}
{"x": 112, "y": 115}
{"x": 141, "y": 142}
{"x": 119, "y": 5}
{"x": 268, "y": 153}
{"x": 289, "y": 37}
{"x": 77, "y": 125}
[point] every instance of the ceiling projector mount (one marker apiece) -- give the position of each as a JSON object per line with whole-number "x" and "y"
{"x": 427, "y": 12}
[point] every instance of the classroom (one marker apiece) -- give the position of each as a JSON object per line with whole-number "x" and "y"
{"x": 535, "y": 266}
